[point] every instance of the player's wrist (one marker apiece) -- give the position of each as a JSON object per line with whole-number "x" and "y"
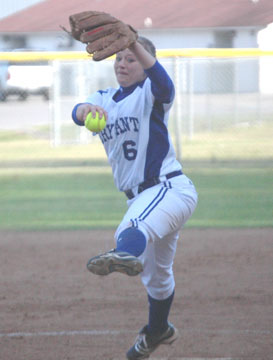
{"x": 75, "y": 115}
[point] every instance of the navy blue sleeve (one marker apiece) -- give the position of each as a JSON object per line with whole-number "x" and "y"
{"x": 162, "y": 85}
{"x": 74, "y": 117}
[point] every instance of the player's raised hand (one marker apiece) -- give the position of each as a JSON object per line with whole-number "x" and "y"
{"x": 84, "y": 109}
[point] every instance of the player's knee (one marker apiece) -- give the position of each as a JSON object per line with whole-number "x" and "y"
{"x": 131, "y": 240}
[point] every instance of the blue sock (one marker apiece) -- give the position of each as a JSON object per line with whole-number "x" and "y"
{"x": 132, "y": 241}
{"x": 158, "y": 314}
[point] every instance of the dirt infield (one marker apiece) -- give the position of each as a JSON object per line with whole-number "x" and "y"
{"x": 52, "y": 308}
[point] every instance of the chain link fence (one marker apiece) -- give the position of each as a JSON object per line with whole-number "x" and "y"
{"x": 217, "y": 99}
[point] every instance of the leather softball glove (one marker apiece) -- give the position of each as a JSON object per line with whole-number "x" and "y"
{"x": 103, "y": 34}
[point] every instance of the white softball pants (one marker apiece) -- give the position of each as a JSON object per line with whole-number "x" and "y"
{"x": 160, "y": 212}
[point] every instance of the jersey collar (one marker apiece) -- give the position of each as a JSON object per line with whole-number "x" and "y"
{"x": 123, "y": 91}
{"x": 129, "y": 89}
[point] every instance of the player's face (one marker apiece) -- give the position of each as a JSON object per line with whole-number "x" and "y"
{"x": 128, "y": 70}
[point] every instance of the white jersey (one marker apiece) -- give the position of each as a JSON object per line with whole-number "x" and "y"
{"x": 135, "y": 138}
{"x": 139, "y": 150}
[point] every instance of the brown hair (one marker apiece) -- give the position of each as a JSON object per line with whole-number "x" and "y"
{"x": 147, "y": 44}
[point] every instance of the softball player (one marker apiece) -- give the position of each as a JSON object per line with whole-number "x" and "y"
{"x": 160, "y": 197}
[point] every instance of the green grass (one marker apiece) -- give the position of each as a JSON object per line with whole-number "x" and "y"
{"x": 71, "y": 187}
{"x": 85, "y": 199}
{"x": 233, "y": 197}
{"x": 250, "y": 143}
{"x": 235, "y": 143}
{"x": 62, "y": 201}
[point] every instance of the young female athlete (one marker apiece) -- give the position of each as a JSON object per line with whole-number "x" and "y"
{"x": 160, "y": 197}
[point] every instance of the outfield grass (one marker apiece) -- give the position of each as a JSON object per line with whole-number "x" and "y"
{"x": 250, "y": 143}
{"x": 74, "y": 198}
{"x": 235, "y": 143}
{"x": 44, "y": 188}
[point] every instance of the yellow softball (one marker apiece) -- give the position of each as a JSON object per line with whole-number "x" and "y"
{"x": 95, "y": 124}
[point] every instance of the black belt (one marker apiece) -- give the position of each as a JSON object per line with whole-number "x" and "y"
{"x": 149, "y": 183}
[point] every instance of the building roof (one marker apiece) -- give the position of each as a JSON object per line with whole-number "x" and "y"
{"x": 50, "y": 14}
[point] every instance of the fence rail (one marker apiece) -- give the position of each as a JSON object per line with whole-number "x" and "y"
{"x": 74, "y": 55}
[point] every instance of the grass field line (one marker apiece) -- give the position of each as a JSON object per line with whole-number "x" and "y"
{"x": 119, "y": 332}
